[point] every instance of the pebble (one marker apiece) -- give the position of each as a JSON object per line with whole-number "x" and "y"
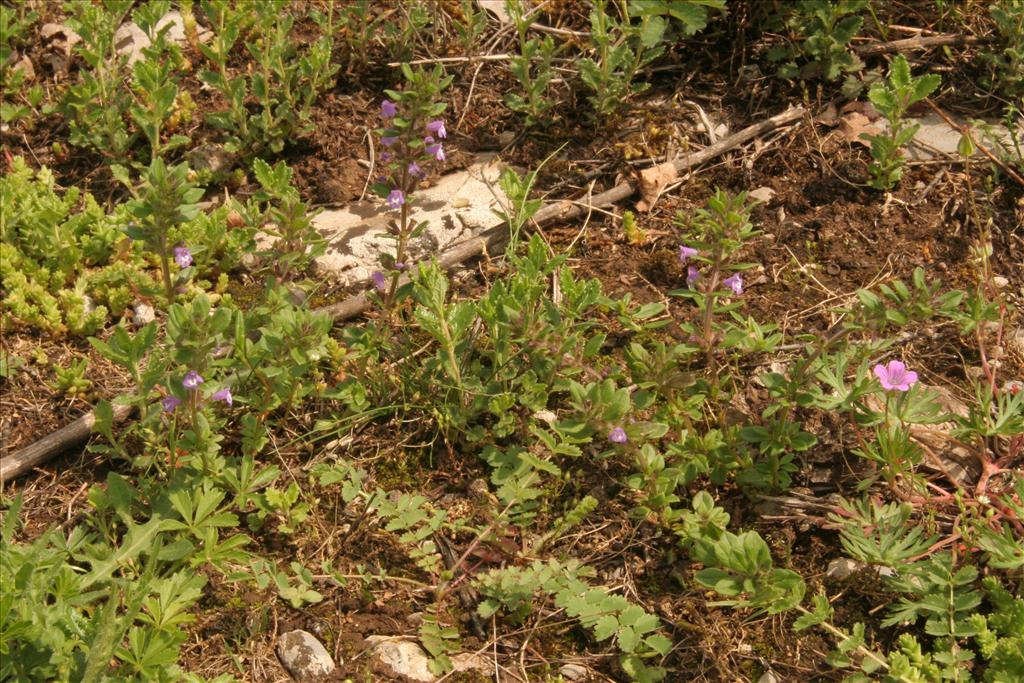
{"x": 768, "y": 677}
{"x": 399, "y": 657}
{"x": 573, "y": 672}
{"x": 304, "y": 656}
{"x": 143, "y": 314}
{"x": 842, "y": 568}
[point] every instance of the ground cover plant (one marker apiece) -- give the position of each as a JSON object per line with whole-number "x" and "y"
{"x": 764, "y": 422}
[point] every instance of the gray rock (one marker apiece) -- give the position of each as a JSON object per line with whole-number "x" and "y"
{"x": 132, "y": 40}
{"x": 212, "y": 158}
{"x": 304, "y": 656}
{"x": 768, "y": 677}
{"x": 762, "y": 194}
{"x": 573, "y": 672}
{"x": 398, "y": 657}
{"x": 842, "y": 568}
{"x": 143, "y": 314}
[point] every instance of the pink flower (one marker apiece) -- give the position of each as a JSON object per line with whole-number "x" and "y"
{"x": 735, "y": 283}
{"x": 388, "y": 109}
{"x": 437, "y": 150}
{"x": 223, "y": 395}
{"x": 396, "y": 199}
{"x": 686, "y": 253}
{"x": 415, "y": 170}
{"x": 692, "y": 275}
{"x": 388, "y": 140}
{"x": 379, "y": 281}
{"x": 183, "y": 257}
{"x": 618, "y": 435}
{"x": 192, "y": 379}
{"x": 437, "y": 127}
{"x": 894, "y": 375}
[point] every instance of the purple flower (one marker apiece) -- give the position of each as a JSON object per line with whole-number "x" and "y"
{"x": 170, "y": 403}
{"x": 692, "y": 275}
{"x": 437, "y": 150}
{"x": 396, "y": 199}
{"x": 192, "y": 380}
{"x": 686, "y": 253}
{"x": 415, "y": 170}
{"x": 427, "y": 140}
{"x": 618, "y": 435}
{"x": 379, "y": 281}
{"x": 400, "y": 266}
{"x": 223, "y": 395}
{"x": 385, "y": 157}
{"x": 183, "y": 257}
{"x": 388, "y": 140}
{"x": 894, "y": 375}
{"x": 735, "y": 283}
{"x": 388, "y": 109}
{"x": 438, "y": 127}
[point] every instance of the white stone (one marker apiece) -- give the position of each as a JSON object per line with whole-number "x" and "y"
{"x": 842, "y": 568}
{"x": 131, "y": 40}
{"x": 143, "y": 314}
{"x": 304, "y": 656}
{"x": 762, "y": 194}
{"x": 399, "y": 657}
{"x": 457, "y": 205}
{"x": 768, "y": 677}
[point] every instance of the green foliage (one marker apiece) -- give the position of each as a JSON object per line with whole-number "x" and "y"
{"x": 892, "y": 98}
{"x": 71, "y": 380}
{"x": 284, "y": 84}
{"x": 532, "y": 67}
{"x": 1007, "y": 60}
{"x": 17, "y": 102}
{"x": 287, "y": 218}
{"x": 819, "y": 41}
{"x": 621, "y": 50}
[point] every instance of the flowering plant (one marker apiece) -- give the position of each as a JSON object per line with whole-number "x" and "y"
{"x": 414, "y": 135}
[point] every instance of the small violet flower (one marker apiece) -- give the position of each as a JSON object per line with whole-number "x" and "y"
{"x": 686, "y": 253}
{"x": 388, "y": 140}
{"x": 183, "y": 257}
{"x": 415, "y": 170}
{"x": 894, "y": 375}
{"x": 692, "y": 275}
{"x": 396, "y": 199}
{"x": 385, "y": 157}
{"x": 438, "y": 127}
{"x": 170, "y": 403}
{"x": 379, "y": 281}
{"x": 192, "y": 379}
{"x": 618, "y": 435}
{"x": 223, "y": 395}
{"x": 437, "y": 150}
{"x": 735, "y": 283}
{"x": 388, "y": 109}
{"x": 427, "y": 140}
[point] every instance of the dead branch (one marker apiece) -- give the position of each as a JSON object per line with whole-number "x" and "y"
{"x": 490, "y": 241}
{"x": 918, "y": 43}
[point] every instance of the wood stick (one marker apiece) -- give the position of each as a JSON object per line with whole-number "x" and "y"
{"x": 918, "y": 43}
{"x": 490, "y": 241}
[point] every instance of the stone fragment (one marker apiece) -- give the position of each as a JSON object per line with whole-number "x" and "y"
{"x": 762, "y": 194}
{"x": 131, "y": 40}
{"x": 398, "y": 658}
{"x": 842, "y": 568}
{"x": 142, "y": 314}
{"x": 768, "y": 677}
{"x": 304, "y": 656}
{"x": 24, "y": 65}
{"x": 212, "y": 158}
{"x": 573, "y": 672}
{"x": 459, "y": 204}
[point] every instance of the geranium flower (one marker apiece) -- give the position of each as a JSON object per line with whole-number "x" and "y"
{"x": 415, "y": 170}
{"x": 388, "y": 140}
{"x": 894, "y": 375}
{"x": 437, "y": 150}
